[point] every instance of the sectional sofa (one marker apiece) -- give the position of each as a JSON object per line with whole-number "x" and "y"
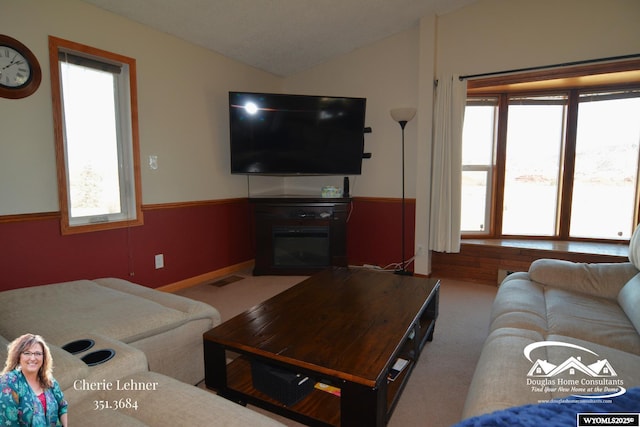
{"x": 561, "y": 331}
{"x": 124, "y": 354}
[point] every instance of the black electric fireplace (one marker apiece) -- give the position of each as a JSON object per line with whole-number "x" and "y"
{"x": 299, "y": 235}
{"x": 301, "y": 246}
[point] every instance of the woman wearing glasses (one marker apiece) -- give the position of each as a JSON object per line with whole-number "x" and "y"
{"x": 29, "y": 395}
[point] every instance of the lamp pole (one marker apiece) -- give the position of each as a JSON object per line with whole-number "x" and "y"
{"x": 403, "y": 116}
{"x": 403, "y": 270}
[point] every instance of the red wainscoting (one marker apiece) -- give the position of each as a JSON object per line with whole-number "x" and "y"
{"x": 374, "y": 231}
{"x": 33, "y": 252}
{"x": 195, "y": 239}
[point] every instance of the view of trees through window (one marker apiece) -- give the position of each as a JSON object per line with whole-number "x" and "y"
{"x": 96, "y": 133}
{"x": 92, "y": 142}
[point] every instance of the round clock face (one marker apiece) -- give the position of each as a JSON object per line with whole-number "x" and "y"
{"x": 15, "y": 70}
{"x": 20, "y": 72}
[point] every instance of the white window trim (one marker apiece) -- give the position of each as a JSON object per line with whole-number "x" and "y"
{"x": 488, "y": 170}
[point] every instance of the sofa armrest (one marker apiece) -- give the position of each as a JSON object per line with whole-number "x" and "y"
{"x": 598, "y": 279}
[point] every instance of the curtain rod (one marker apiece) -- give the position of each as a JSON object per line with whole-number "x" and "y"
{"x": 542, "y": 67}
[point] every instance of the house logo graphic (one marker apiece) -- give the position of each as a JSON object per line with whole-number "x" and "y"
{"x": 542, "y": 368}
{"x": 583, "y": 374}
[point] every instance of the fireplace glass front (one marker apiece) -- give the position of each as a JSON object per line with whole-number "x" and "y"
{"x": 301, "y": 246}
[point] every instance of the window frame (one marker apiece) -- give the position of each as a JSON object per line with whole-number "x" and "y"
{"x": 514, "y": 99}
{"x": 133, "y": 214}
{"x": 489, "y": 169}
{"x": 571, "y": 81}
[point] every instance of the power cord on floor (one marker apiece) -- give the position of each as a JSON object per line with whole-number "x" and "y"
{"x": 395, "y": 266}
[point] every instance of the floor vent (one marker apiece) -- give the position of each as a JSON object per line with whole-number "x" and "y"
{"x": 226, "y": 281}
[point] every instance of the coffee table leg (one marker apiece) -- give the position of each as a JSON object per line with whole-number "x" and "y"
{"x": 432, "y": 312}
{"x": 362, "y": 406}
{"x": 430, "y": 336}
{"x": 215, "y": 366}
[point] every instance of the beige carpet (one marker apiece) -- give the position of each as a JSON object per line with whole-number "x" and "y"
{"x": 435, "y": 393}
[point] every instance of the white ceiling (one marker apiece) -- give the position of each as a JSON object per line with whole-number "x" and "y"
{"x": 280, "y": 36}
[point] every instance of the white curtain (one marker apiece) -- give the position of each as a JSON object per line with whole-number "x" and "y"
{"x": 446, "y": 167}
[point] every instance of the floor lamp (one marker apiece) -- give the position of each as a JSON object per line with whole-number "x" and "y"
{"x": 403, "y": 116}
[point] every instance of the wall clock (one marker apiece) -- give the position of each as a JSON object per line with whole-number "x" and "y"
{"x": 20, "y": 72}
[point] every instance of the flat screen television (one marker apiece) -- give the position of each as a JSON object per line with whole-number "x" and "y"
{"x": 281, "y": 134}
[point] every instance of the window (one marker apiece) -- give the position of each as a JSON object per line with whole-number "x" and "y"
{"x": 95, "y": 119}
{"x": 555, "y": 158}
{"x": 605, "y": 181}
{"x": 479, "y": 140}
{"x": 535, "y": 129}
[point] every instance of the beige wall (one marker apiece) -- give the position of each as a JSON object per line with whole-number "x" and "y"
{"x": 182, "y": 101}
{"x": 487, "y": 36}
{"x": 496, "y": 35}
{"x": 183, "y": 117}
{"x": 386, "y": 73}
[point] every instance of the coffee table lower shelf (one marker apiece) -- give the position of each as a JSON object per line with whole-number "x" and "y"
{"x": 319, "y": 408}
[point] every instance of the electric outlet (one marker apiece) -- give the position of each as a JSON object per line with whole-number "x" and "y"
{"x": 153, "y": 162}
{"x": 420, "y": 250}
{"x": 159, "y": 261}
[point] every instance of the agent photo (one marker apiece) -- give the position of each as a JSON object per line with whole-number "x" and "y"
{"x": 29, "y": 395}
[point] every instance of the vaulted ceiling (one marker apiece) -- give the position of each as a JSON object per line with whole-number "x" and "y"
{"x": 282, "y": 37}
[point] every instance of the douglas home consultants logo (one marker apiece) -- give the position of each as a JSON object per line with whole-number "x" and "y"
{"x": 584, "y": 374}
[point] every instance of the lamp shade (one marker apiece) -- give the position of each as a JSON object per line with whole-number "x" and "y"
{"x": 404, "y": 114}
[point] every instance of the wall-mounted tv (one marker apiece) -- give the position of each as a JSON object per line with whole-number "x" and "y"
{"x": 281, "y": 134}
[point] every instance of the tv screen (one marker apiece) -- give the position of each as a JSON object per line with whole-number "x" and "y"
{"x": 278, "y": 134}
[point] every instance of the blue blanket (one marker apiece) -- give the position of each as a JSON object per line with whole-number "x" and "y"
{"x": 554, "y": 414}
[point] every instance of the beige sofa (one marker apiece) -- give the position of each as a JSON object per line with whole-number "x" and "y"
{"x": 166, "y": 328}
{"x": 559, "y": 331}
{"x": 157, "y": 346}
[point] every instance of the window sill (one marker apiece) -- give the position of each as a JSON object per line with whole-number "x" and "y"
{"x": 571, "y": 247}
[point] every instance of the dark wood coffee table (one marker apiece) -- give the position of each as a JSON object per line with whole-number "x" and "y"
{"x": 345, "y": 327}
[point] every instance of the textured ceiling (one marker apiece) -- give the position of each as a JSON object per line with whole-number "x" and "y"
{"x": 280, "y": 36}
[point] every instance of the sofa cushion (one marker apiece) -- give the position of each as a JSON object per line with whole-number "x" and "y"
{"x": 194, "y": 309}
{"x": 634, "y": 248}
{"x": 625, "y": 365}
{"x": 163, "y": 401}
{"x": 520, "y": 303}
{"x": 72, "y": 308}
{"x": 127, "y": 360}
{"x": 599, "y": 279}
{"x": 87, "y": 414}
{"x": 167, "y": 328}
{"x": 4, "y": 344}
{"x": 503, "y": 375}
{"x": 629, "y": 300}
{"x": 66, "y": 367}
{"x": 499, "y": 380}
{"x": 592, "y": 319}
